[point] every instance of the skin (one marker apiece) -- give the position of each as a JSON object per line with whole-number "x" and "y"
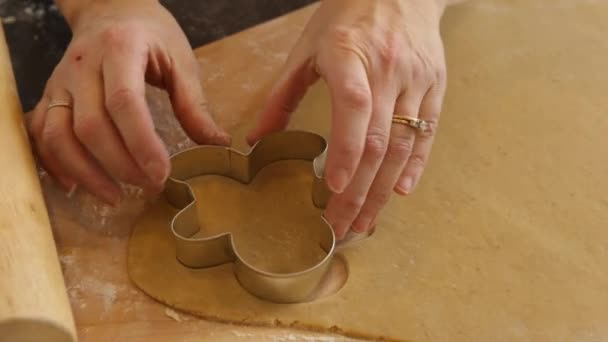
{"x": 378, "y": 58}
{"x": 109, "y": 136}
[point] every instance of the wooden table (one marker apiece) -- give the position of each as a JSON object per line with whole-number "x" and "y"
{"x": 238, "y": 73}
{"x": 92, "y": 239}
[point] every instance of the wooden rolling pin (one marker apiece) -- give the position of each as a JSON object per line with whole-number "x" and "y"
{"x": 34, "y": 305}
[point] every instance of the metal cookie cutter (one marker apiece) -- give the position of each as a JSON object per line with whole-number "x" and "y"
{"x": 197, "y": 252}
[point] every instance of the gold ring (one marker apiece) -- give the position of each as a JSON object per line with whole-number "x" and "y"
{"x": 416, "y": 123}
{"x": 59, "y": 103}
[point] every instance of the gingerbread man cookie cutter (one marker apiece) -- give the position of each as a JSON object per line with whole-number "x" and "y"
{"x": 199, "y": 252}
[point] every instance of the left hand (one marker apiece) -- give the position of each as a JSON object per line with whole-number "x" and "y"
{"x": 102, "y": 133}
{"x": 379, "y": 59}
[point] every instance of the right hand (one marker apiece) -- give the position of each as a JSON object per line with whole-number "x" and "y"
{"x": 380, "y": 59}
{"x": 106, "y": 135}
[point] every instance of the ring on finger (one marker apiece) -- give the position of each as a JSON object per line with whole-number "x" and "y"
{"x": 59, "y": 103}
{"x": 416, "y": 123}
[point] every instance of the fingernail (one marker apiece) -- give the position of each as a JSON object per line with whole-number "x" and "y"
{"x": 72, "y": 190}
{"x": 251, "y": 139}
{"x": 361, "y": 225}
{"x": 156, "y": 172}
{"x": 223, "y": 137}
{"x": 341, "y": 232}
{"x": 227, "y": 140}
{"x": 405, "y": 186}
{"x": 113, "y": 197}
{"x": 339, "y": 181}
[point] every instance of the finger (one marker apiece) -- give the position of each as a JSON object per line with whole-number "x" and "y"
{"x": 396, "y": 157}
{"x": 123, "y": 74}
{"x": 430, "y": 110}
{"x": 191, "y": 107}
{"x": 400, "y": 147}
{"x": 34, "y": 120}
{"x": 35, "y": 125}
{"x": 343, "y": 208}
{"x": 283, "y": 100}
{"x": 60, "y": 143}
{"x": 95, "y": 130}
{"x": 351, "y": 104}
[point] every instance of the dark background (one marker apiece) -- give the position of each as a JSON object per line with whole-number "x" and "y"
{"x": 38, "y": 35}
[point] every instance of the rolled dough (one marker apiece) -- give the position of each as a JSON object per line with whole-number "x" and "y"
{"x": 504, "y": 239}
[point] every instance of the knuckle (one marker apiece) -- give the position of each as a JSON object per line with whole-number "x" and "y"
{"x": 389, "y": 50}
{"x": 352, "y": 204}
{"x": 34, "y": 123}
{"x": 120, "y": 99}
{"x": 378, "y": 198}
{"x": 376, "y": 144}
{"x": 54, "y": 147}
{"x": 86, "y": 128}
{"x": 117, "y": 35}
{"x": 349, "y": 152}
{"x": 357, "y": 95}
{"x": 441, "y": 75}
{"x": 51, "y": 133}
{"x": 343, "y": 36}
{"x": 417, "y": 71}
{"x": 400, "y": 147}
{"x": 417, "y": 160}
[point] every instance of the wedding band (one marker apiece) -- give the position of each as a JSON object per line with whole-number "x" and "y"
{"x": 416, "y": 123}
{"x": 59, "y": 103}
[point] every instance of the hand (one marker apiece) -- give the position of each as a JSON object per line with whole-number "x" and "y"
{"x": 105, "y": 134}
{"x": 379, "y": 59}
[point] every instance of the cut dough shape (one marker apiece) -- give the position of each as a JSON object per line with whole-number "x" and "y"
{"x": 505, "y": 237}
{"x": 268, "y": 218}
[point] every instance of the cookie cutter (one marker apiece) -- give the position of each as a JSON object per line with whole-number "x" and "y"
{"x": 208, "y": 251}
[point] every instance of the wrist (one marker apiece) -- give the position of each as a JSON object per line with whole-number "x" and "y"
{"x": 442, "y": 5}
{"x": 70, "y": 9}
{"x": 423, "y": 13}
{"x": 76, "y": 12}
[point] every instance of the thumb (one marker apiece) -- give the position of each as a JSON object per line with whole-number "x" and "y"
{"x": 192, "y": 110}
{"x": 283, "y": 100}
